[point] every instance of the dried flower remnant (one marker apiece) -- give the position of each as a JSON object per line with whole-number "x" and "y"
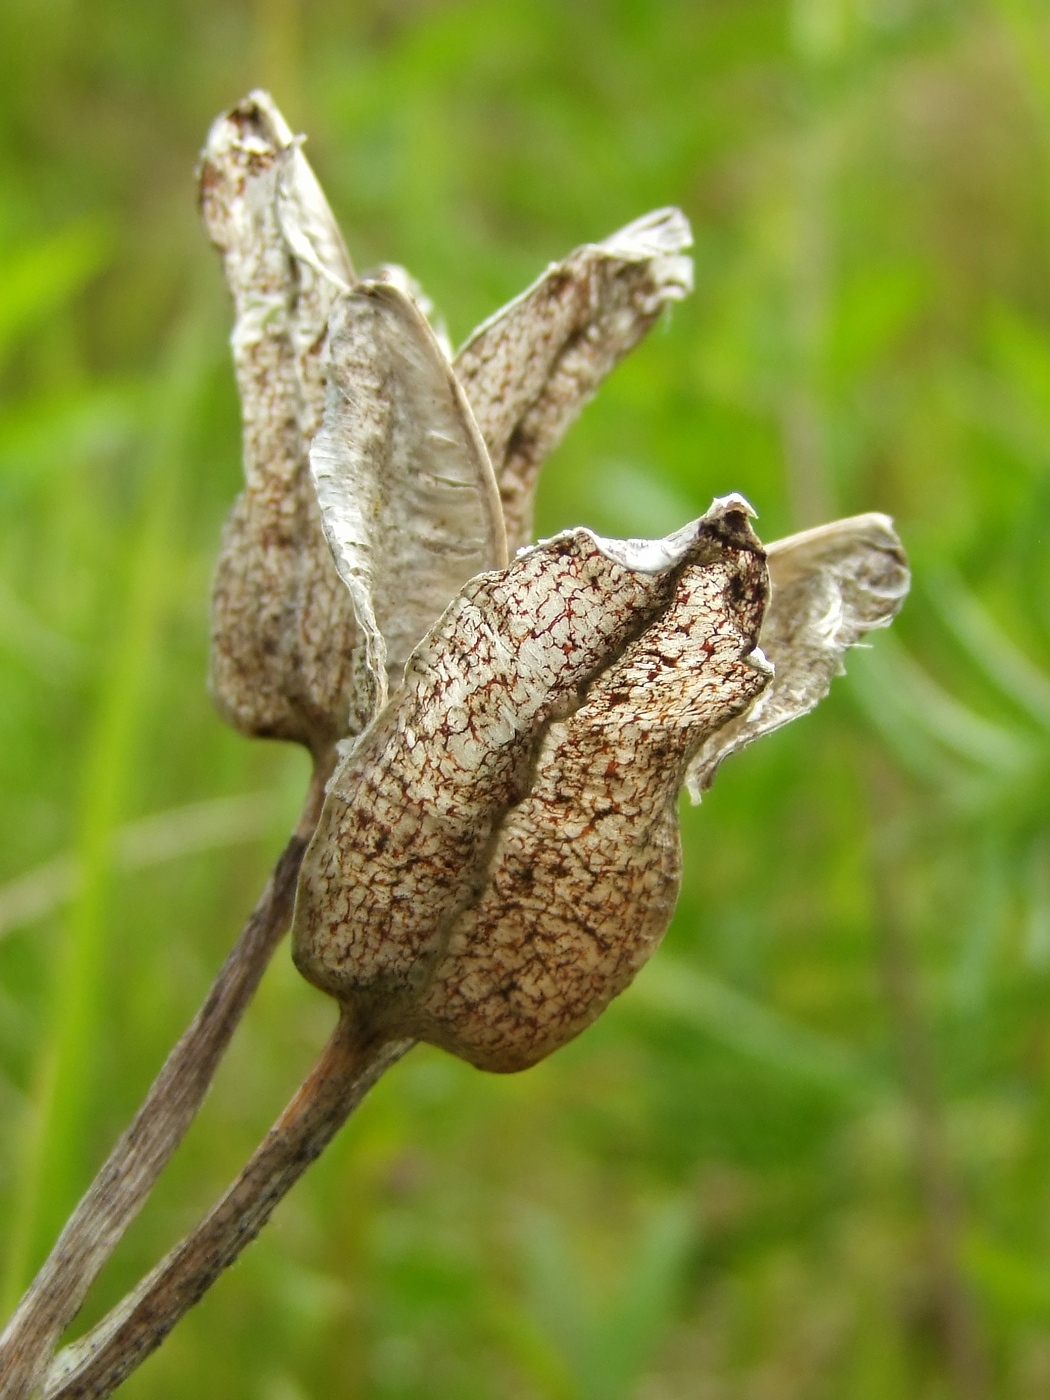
{"x": 285, "y": 642}
{"x": 500, "y": 854}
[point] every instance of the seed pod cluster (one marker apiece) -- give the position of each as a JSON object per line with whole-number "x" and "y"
{"x": 498, "y": 851}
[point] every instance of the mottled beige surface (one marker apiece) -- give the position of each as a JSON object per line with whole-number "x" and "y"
{"x": 290, "y": 658}
{"x": 585, "y": 871}
{"x": 282, "y": 624}
{"x": 417, "y": 814}
{"x": 408, "y": 500}
{"x": 829, "y": 587}
{"x": 530, "y": 369}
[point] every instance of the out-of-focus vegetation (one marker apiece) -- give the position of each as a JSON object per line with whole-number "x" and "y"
{"x": 808, "y": 1154}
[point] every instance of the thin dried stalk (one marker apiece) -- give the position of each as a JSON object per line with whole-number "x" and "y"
{"x": 126, "y": 1179}
{"x": 106, "y": 1356}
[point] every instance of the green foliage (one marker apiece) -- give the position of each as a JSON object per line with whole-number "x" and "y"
{"x": 732, "y": 1184}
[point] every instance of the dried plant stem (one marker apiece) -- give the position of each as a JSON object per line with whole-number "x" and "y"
{"x": 124, "y": 1182}
{"x": 97, "y": 1363}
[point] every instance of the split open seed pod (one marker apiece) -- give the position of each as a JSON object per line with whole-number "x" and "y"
{"x": 286, "y": 635}
{"x": 498, "y": 851}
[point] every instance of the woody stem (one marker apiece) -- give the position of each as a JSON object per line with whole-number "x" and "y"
{"x": 129, "y": 1174}
{"x": 96, "y": 1364}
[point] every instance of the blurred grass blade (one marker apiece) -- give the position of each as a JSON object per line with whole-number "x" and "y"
{"x": 43, "y": 434}
{"x": 671, "y": 988}
{"x": 558, "y": 1294}
{"x": 630, "y": 1331}
{"x": 44, "y": 276}
{"x": 988, "y": 646}
{"x": 1024, "y": 21}
{"x": 992, "y": 895}
{"x": 605, "y": 1331}
{"x": 63, "y": 1098}
{"x": 1037, "y": 900}
{"x": 1017, "y": 403}
{"x": 22, "y": 633}
{"x": 182, "y": 831}
{"x": 892, "y": 712}
{"x": 932, "y": 712}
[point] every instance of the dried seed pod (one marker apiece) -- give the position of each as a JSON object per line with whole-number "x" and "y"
{"x": 530, "y": 368}
{"x": 585, "y": 871}
{"x": 407, "y": 496}
{"x": 283, "y": 628}
{"x": 416, "y": 810}
{"x": 289, "y": 659}
{"x": 829, "y": 587}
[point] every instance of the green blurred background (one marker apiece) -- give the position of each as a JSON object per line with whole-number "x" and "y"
{"x": 808, "y": 1154}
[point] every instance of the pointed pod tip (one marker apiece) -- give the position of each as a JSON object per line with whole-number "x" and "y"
{"x": 656, "y": 234}
{"x": 257, "y": 97}
{"x": 733, "y": 504}
{"x": 730, "y": 517}
{"x": 255, "y": 118}
{"x": 758, "y": 661}
{"x": 644, "y": 556}
{"x": 260, "y": 107}
{"x": 409, "y": 286}
{"x": 254, "y": 127}
{"x": 390, "y": 291}
{"x": 658, "y": 239}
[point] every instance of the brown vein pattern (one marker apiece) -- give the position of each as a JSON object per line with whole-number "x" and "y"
{"x": 411, "y": 827}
